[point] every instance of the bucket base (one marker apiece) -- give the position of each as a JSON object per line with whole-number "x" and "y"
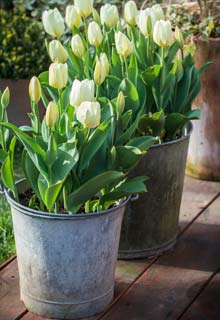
{"x": 71, "y": 311}
{"x": 146, "y": 253}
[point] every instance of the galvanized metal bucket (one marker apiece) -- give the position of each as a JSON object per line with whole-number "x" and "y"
{"x": 150, "y": 224}
{"x": 66, "y": 262}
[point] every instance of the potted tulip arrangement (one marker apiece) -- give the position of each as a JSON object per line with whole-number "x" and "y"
{"x": 68, "y": 210}
{"x": 203, "y": 23}
{"x": 141, "y": 60}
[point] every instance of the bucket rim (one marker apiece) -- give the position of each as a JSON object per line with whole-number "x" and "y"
{"x": 58, "y": 216}
{"x": 188, "y": 130}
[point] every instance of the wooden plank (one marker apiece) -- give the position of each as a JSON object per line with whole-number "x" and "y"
{"x": 164, "y": 291}
{"x": 206, "y": 306}
{"x": 127, "y": 271}
{"x": 10, "y": 304}
{"x": 196, "y": 196}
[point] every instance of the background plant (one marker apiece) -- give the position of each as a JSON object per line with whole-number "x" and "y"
{"x": 201, "y": 19}
{"x": 20, "y": 52}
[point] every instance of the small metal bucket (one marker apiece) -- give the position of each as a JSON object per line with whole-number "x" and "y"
{"x": 66, "y": 262}
{"x": 150, "y": 224}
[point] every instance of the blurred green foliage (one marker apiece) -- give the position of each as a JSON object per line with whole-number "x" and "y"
{"x": 202, "y": 20}
{"x": 22, "y": 50}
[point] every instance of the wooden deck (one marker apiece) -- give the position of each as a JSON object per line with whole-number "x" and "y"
{"x": 182, "y": 284}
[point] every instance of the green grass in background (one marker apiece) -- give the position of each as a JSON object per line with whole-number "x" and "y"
{"x": 7, "y": 244}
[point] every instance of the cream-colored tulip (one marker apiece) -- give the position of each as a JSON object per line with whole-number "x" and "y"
{"x": 82, "y": 91}
{"x": 57, "y": 51}
{"x": 5, "y": 98}
{"x": 123, "y": 44}
{"x": 52, "y": 114}
{"x": 99, "y": 73}
{"x": 58, "y": 75}
{"x": 157, "y": 12}
{"x": 143, "y": 21}
{"x": 84, "y": 7}
{"x": 89, "y": 114}
{"x": 163, "y": 35}
{"x": 72, "y": 17}
{"x": 109, "y": 15}
{"x": 131, "y": 13}
{"x": 105, "y": 62}
{"x": 77, "y": 46}
{"x": 53, "y": 23}
{"x": 179, "y": 37}
{"x": 35, "y": 89}
{"x": 95, "y": 35}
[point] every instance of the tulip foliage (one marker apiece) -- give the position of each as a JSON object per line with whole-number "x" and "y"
{"x": 112, "y": 90}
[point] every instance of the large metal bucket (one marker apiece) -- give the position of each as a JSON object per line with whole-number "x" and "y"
{"x": 66, "y": 262}
{"x": 150, "y": 224}
{"x": 204, "y": 149}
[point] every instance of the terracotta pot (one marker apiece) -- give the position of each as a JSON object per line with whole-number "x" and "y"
{"x": 204, "y": 148}
{"x": 19, "y": 105}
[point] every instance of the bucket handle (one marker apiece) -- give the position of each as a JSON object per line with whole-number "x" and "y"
{"x": 134, "y": 197}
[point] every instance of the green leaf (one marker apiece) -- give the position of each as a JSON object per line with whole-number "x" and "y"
{"x": 143, "y": 143}
{"x": 67, "y": 157}
{"x": 127, "y": 157}
{"x": 129, "y": 187}
{"x": 152, "y": 123}
{"x": 96, "y": 140}
{"x": 7, "y": 174}
{"x": 175, "y": 121}
{"x": 151, "y": 73}
{"x": 90, "y": 188}
{"x": 3, "y": 155}
{"x": 31, "y": 173}
{"x": 52, "y": 193}
{"x": 131, "y": 94}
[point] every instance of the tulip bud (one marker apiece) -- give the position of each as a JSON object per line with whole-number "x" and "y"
{"x": 84, "y": 7}
{"x": 109, "y": 15}
{"x": 58, "y": 75}
{"x": 99, "y": 73}
{"x": 57, "y": 52}
{"x": 82, "y": 91}
{"x": 105, "y": 62}
{"x": 179, "y": 65}
{"x": 123, "y": 44}
{"x": 52, "y": 114}
{"x": 131, "y": 13}
{"x": 146, "y": 22}
{"x": 163, "y": 35}
{"x": 94, "y": 34}
{"x": 5, "y": 98}
{"x": 35, "y": 89}
{"x": 77, "y": 46}
{"x": 89, "y": 114}
{"x": 157, "y": 11}
{"x": 72, "y": 17}
{"x": 120, "y": 103}
{"x": 96, "y": 16}
{"x": 179, "y": 37}
{"x": 53, "y": 23}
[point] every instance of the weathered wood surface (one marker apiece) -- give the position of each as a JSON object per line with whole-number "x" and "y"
{"x": 150, "y": 289}
{"x": 207, "y": 305}
{"x": 166, "y": 289}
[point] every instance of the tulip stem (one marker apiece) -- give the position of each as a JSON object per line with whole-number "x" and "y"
{"x": 162, "y": 56}
{"x": 126, "y": 67}
{"x": 97, "y": 93}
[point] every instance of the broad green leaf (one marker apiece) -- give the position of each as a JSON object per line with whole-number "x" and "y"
{"x": 152, "y": 123}
{"x": 7, "y": 174}
{"x": 175, "y": 121}
{"x": 31, "y": 173}
{"x": 127, "y": 157}
{"x": 94, "y": 143}
{"x": 52, "y": 193}
{"x": 151, "y": 73}
{"x": 90, "y": 188}
{"x": 130, "y": 187}
{"x": 143, "y": 143}
{"x": 3, "y": 155}
{"x": 131, "y": 94}
{"x": 42, "y": 187}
